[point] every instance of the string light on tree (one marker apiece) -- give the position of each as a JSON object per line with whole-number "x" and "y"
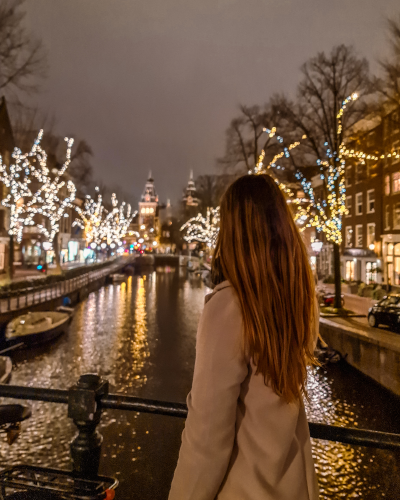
{"x": 53, "y": 196}
{"x": 203, "y": 229}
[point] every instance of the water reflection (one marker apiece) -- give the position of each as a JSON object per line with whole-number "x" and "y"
{"x": 140, "y": 335}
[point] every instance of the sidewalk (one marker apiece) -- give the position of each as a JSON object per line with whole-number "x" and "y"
{"x": 355, "y": 303}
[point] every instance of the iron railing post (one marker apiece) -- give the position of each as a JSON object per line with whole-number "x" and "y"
{"x": 85, "y": 410}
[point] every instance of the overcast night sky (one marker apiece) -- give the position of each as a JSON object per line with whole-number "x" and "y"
{"x": 153, "y": 84}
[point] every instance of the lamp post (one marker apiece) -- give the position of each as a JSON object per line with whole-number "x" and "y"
{"x": 46, "y": 247}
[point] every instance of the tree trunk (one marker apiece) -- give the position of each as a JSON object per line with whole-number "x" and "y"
{"x": 10, "y": 266}
{"x": 338, "y": 278}
{"x": 56, "y": 247}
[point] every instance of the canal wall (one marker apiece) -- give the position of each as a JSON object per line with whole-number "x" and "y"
{"x": 52, "y": 296}
{"x": 376, "y": 354}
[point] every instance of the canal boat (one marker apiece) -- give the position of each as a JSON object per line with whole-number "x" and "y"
{"x": 118, "y": 278}
{"x": 36, "y": 328}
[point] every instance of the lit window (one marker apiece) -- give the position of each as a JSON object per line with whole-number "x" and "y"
{"x": 349, "y": 236}
{"x": 147, "y": 210}
{"x": 349, "y": 202}
{"x": 396, "y": 182}
{"x": 151, "y": 210}
{"x": 387, "y": 216}
{"x": 370, "y": 234}
{"x": 359, "y": 235}
{"x": 396, "y": 216}
{"x": 143, "y": 210}
{"x": 387, "y": 185}
{"x": 396, "y": 152}
{"x": 371, "y": 201}
{"x": 359, "y": 203}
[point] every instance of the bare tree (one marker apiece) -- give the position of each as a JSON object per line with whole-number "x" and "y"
{"x": 389, "y": 85}
{"x": 326, "y": 108}
{"x": 245, "y": 138}
{"x": 22, "y": 58}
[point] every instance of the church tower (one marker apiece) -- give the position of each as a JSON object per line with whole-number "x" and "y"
{"x": 190, "y": 196}
{"x": 148, "y": 205}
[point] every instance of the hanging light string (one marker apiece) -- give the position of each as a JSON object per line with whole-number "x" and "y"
{"x": 203, "y": 229}
{"x": 326, "y": 216}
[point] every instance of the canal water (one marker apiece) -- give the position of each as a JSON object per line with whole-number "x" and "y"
{"x": 140, "y": 335}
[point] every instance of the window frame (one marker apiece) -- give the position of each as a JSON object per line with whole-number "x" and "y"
{"x": 359, "y": 226}
{"x": 349, "y": 208}
{"x": 348, "y": 231}
{"x": 369, "y": 211}
{"x": 371, "y": 224}
{"x": 360, "y": 194}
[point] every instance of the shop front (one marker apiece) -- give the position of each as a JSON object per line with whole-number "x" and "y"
{"x": 360, "y": 264}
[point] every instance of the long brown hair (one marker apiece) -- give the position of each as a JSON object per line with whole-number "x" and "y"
{"x": 260, "y": 251}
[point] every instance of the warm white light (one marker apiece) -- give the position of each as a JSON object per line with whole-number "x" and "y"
{"x": 142, "y": 226}
{"x": 103, "y": 245}
{"x": 316, "y": 245}
{"x": 112, "y": 245}
{"x": 46, "y": 245}
{"x": 93, "y": 245}
{"x": 141, "y": 240}
{"x": 154, "y": 243}
{"x": 371, "y": 246}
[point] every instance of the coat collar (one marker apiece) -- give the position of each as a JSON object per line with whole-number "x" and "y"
{"x": 222, "y": 285}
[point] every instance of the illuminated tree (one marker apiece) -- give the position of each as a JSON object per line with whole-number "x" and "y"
{"x": 91, "y": 219}
{"x": 203, "y": 229}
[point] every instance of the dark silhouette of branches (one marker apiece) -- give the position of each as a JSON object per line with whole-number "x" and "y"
{"x": 389, "y": 85}
{"x": 327, "y": 81}
{"x": 22, "y": 58}
{"x": 245, "y": 139}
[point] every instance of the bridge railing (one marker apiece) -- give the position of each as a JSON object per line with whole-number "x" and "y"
{"x": 17, "y": 299}
{"x": 90, "y": 396}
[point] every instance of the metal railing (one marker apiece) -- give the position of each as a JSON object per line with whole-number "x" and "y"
{"x": 21, "y": 299}
{"x": 90, "y": 396}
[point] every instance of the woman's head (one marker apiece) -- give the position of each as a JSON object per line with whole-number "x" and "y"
{"x": 260, "y": 251}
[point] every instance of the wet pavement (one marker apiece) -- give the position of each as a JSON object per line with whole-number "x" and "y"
{"x": 140, "y": 335}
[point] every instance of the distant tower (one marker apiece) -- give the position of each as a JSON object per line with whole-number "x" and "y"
{"x": 148, "y": 205}
{"x": 190, "y": 196}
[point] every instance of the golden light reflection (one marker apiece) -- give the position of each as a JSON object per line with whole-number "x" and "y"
{"x": 139, "y": 344}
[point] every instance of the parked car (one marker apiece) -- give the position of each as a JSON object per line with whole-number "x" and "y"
{"x": 386, "y": 312}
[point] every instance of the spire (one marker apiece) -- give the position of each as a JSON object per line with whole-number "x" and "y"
{"x": 150, "y": 177}
{"x": 191, "y": 175}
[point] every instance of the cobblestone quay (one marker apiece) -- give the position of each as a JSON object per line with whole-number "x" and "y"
{"x": 140, "y": 335}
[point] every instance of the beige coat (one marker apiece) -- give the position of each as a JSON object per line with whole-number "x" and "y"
{"x": 241, "y": 441}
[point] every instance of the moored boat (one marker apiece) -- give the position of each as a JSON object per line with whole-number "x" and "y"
{"x": 36, "y": 328}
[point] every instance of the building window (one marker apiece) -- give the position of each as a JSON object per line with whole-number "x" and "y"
{"x": 359, "y": 235}
{"x": 370, "y": 272}
{"x": 348, "y": 175}
{"x": 387, "y": 185}
{"x": 396, "y": 182}
{"x": 370, "y": 234}
{"x": 349, "y": 270}
{"x": 349, "y": 202}
{"x": 396, "y": 216}
{"x": 387, "y": 217}
{"x": 371, "y": 201}
{"x": 371, "y": 139}
{"x": 349, "y": 237}
{"x": 360, "y": 168}
{"x": 396, "y": 152}
{"x": 359, "y": 204}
